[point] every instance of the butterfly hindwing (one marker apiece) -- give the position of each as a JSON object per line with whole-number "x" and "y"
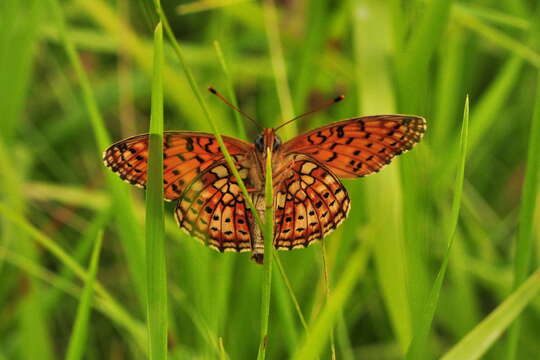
{"x": 185, "y": 156}
{"x": 361, "y": 146}
{"x": 310, "y": 202}
{"x": 213, "y": 209}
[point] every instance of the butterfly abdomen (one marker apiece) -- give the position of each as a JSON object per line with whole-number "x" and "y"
{"x": 257, "y": 245}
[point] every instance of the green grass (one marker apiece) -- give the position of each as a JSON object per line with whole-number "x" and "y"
{"x": 76, "y": 347}
{"x": 79, "y": 75}
{"x": 156, "y": 266}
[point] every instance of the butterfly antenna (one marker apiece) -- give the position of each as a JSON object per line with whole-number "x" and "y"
{"x": 319, "y": 108}
{"x": 227, "y": 102}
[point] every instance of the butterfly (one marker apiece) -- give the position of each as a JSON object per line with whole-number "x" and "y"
{"x": 309, "y": 199}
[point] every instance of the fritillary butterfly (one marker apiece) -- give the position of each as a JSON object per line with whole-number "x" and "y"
{"x": 310, "y": 201}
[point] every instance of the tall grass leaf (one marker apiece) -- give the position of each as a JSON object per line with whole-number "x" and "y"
{"x": 525, "y": 232}
{"x": 77, "y": 341}
{"x": 412, "y": 64}
{"x": 176, "y": 89}
{"x": 482, "y": 337}
{"x": 124, "y": 318}
{"x": 384, "y": 192}
{"x": 278, "y": 65}
{"x": 315, "y": 34}
{"x": 418, "y": 347}
{"x": 499, "y": 38}
{"x": 319, "y": 333}
{"x": 230, "y": 90}
{"x": 495, "y": 16}
{"x": 156, "y": 272}
{"x": 202, "y": 103}
{"x": 127, "y": 227}
{"x": 268, "y": 234}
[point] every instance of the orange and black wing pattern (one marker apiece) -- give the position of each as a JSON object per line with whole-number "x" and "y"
{"x": 361, "y": 146}
{"x": 310, "y": 202}
{"x": 213, "y": 209}
{"x": 185, "y": 156}
{"x": 211, "y": 206}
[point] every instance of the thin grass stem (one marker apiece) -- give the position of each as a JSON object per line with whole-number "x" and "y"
{"x": 418, "y": 347}
{"x": 268, "y": 234}
{"x": 80, "y": 328}
{"x": 230, "y": 90}
{"x": 156, "y": 269}
{"x": 202, "y": 103}
{"x": 327, "y": 294}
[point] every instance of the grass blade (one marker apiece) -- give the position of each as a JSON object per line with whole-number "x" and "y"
{"x": 525, "y": 232}
{"x": 195, "y": 89}
{"x": 418, "y": 347}
{"x": 230, "y": 90}
{"x": 268, "y": 234}
{"x": 278, "y": 65}
{"x": 113, "y": 307}
{"x": 80, "y": 328}
{"x": 479, "y": 340}
{"x": 127, "y": 226}
{"x": 156, "y": 272}
{"x": 319, "y": 333}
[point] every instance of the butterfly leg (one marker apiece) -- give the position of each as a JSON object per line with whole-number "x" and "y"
{"x": 257, "y": 245}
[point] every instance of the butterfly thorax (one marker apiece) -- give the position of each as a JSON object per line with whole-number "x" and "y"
{"x": 266, "y": 140}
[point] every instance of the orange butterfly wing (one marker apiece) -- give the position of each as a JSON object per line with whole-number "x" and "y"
{"x": 185, "y": 156}
{"x": 211, "y": 206}
{"x": 310, "y": 202}
{"x": 361, "y": 146}
{"x": 213, "y": 209}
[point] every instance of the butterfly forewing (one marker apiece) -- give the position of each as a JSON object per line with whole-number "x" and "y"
{"x": 360, "y": 146}
{"x": 309, "y": 203}
{"x": 185, "y": 156}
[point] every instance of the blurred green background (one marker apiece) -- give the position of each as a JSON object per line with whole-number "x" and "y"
{"x": 282, "y": 58}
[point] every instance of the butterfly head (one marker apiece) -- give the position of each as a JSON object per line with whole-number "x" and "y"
{"x": 268, "y": 139}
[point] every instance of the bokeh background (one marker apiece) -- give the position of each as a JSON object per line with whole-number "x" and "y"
{"x": 282, "y": 58}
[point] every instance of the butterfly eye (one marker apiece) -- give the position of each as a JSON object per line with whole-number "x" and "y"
{"x": 277, "y": 143}
{"x": 259, "y": 144}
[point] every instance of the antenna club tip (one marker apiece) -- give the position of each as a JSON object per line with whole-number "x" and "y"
{"x": 212, "y": 90}
{"x": 339, "y": 98}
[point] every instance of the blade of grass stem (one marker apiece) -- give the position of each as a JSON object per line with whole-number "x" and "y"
{"x": 413, "y": 63}
{"x": 205, "y": 5}
{"x": 418, "y": 347}
{"x": 494, "y": 16}
{"x": 327, "y": 294}
{"x": 320, "y": 331}
{"x": 290, "y": 290}
{"x": 498, "y": 37}
{"x": 493, "y": 99}
{"x": 127, "y": 226}
{"x": 268, "y": 234}
{"x": 480, "y": 339}
{"x": 102, "y": 13}
{"x": 108, "y": 309}
{"x": 278, "y": 65}
{"x": 120, "y": 313}
{"x": 230, "y": 90}
{"x": 525, "y": 232}
{"x": 156, "y": 272}
{"x": 76, "y": 347}
{"x": 202, "y": 103}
